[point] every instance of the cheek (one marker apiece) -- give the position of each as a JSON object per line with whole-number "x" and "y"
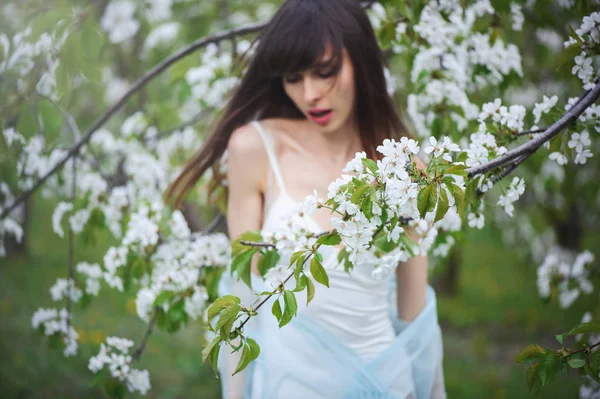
{"x": 292, "y": 92}
{"x": 346, "y": 87}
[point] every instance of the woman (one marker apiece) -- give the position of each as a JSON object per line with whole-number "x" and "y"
{"x": 314, "y": 94}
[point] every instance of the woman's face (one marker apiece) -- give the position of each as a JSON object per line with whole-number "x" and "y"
{"x": 324, "y": 97}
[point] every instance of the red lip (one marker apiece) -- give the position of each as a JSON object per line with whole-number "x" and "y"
{"x": 320, "y": 115}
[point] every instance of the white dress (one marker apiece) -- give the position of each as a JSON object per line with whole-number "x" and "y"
{"x": 348, "y": 342}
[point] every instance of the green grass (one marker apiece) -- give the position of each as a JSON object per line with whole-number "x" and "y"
{"x": 496, "y": 313}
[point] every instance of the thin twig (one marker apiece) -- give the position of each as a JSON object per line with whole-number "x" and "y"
{"x": 71, "y": 244}
{"x": 138, "y": 352}
{"x": 586, "y": 348}
{"x": 213, "y": 225}
{"x": 271, "y": 294}
{"x": 506, "y": 171}
{"x": 588, "y": 98}
{"x": 197, "y": 118}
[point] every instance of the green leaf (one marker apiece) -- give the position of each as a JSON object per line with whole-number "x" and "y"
{"x": 531, "y": 352}
{"x": 568, "y": 55}
{"x": 423, "y": 200}
{"x": 228, "y": 315}
{"x": 367, "y": 207}
{"x": 332, "y": 238}
{"x": 254, "y": 348}
{"x": 370, "y": 164}
{"x": 310, "y": 291}
{"x": 442, "y": 207}
{"x": 237, "y": 247}
{"x": 576, "y": 363}
{"x": 591, "y": 372}
{"x": 585, "y": 328}
{"x": 318, "y": 272}
{"x": 300, "y": 283}
{"x": 456, "y": 170}
{"x": 163, "y": 297}
{"x": 459, "y": 198}
{"x": 470, "y": 192}
{"x": 533, "y": 378}
{"x": 208, "y": 348}
{"x": 213, "y": 357}
{"x": 560, "y": 338}
{"x": 244, "y": 359}
{"x": 291, "y": 305}
{"x": 295, "y": 256}
{"x": 359, "y": 193}
{"x": 220, "y": 304}
{"x": 276, "y": 309}
{"x": 268, "y": 261}
{"x": 242, "y": 264}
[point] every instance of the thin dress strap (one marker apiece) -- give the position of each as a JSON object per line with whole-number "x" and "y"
{"x": 267, "y": 140}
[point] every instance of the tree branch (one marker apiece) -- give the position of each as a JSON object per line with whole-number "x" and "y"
{"x": 588, "y": 98}
{"x": 138, "y": 352}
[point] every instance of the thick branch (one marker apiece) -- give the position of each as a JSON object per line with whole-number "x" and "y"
{"x": 588, "y": 98}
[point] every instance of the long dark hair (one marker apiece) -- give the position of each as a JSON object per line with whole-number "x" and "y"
{"x": 295, "y": 40}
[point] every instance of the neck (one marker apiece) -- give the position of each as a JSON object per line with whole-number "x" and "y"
{"x": 338, "y": 145}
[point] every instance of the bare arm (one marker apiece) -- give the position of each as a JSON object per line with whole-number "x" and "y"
{"x": 411, "y": 279}
{"x": 245, "y": 170}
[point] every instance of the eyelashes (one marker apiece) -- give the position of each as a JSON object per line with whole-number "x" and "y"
{"x": 295, "y": 78}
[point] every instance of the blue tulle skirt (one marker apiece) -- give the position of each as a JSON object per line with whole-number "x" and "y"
{"x": 305, "y": 360}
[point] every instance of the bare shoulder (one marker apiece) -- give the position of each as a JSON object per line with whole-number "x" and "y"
{"x": 245, "y": 142}
{"x": 246, "y": 157}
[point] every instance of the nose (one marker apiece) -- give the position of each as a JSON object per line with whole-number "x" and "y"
{"x": 312, "y": 90}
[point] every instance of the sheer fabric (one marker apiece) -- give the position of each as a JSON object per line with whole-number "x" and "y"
{"x": 348, "y": 343}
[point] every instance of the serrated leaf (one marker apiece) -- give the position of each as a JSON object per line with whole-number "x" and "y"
{"x": 367, "y": 207}
{"x": 533, "y": 378}
{"x": 591, "y": 372}
{"x": 291, "y": 306}
{"x": 423, "y": 200}
{"x": 332, "y": 238}
{"x": 359, "y": 193}
{"x": 585, "y": 328}
{"x": 310, "y": 290}
{"x": 243, "y": 264}
{"x": 456, "y": 170}
{"x": 268, "y": 261}
{"x": 300, "y": 283}
{"x": 442, "y": 206}
{"x": 228, "y": 315}
{"x": 459, "y": 197}
{"x": 208, "y": 348}
{"x": 237, "y": 247}
{"x": 254, "y": 348}
{"x": 530, "y": 352}
{"x": 214, "y": 358}
{"x": 221, "y": 304}
{"x": 370, "y": 164}
{"x": 163, "y": 297}
{"x": 568, "y": 54}
{"x": 576, "y": 363}
{"x": 318, "y": 272}
{"x": 244, "y": 360}
{"x": 295, "y": 256}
